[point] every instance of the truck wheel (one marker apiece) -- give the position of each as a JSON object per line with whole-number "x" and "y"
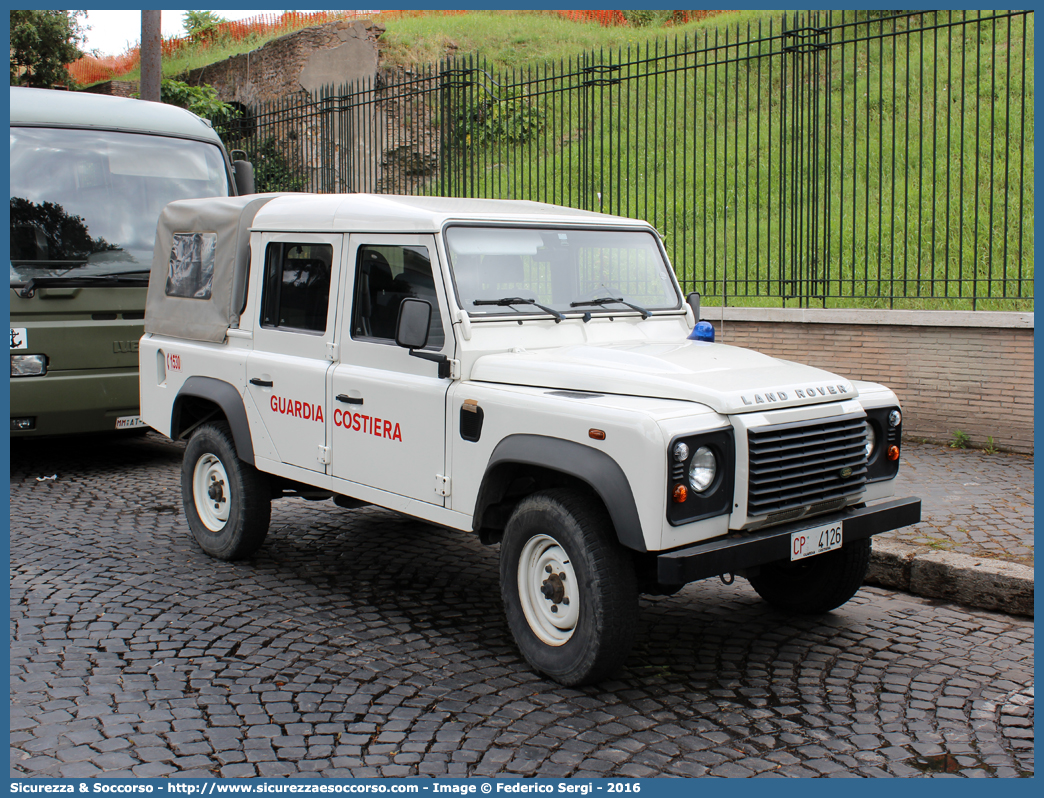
{"x": 569, "y": 588}
{"x": 227, "y": 502}
{"x": 815, "y": 584}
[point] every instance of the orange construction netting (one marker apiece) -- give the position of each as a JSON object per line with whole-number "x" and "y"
{"x": 89, "y": 69}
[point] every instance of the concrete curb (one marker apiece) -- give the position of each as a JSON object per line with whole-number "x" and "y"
{"x": 971, "y": 581}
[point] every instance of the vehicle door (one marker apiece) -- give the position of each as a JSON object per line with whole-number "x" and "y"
{"x": 294, "y": 343}
{"x": 388, "y": 409}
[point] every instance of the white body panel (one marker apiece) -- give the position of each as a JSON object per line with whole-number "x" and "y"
{"x": 370, "y": 421}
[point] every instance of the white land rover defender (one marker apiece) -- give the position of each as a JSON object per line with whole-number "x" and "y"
{"x": 519, "y": 371}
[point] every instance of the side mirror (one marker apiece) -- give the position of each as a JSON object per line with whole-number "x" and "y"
{"x": 694, "y": 302}
{"x": 243, "y": 171}
{"x": 411, "y": 330}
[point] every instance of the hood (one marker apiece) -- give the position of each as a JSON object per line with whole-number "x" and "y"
{"x": 727, "y": 379}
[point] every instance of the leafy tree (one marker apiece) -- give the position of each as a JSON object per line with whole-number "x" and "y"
{"x": 42, "y": 43}
{"x": 201, "y": 25}
{"x": 202, "y": 101}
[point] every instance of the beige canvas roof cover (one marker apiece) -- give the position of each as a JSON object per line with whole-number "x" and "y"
{"x": 221, "y": 227}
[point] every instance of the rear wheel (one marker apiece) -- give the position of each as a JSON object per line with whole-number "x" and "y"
{"x": 815, "y": 584}
{"x": 227, "y": 502}
{"x": 569, "y": 588}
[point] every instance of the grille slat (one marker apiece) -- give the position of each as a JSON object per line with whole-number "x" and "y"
{"x": 842, "y": 455}
{"x": 795, "y": 468}
{"x": 800, "y": 482}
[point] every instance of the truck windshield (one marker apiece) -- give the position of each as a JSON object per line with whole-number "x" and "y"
{"x": 500, "y": 270}
{"x": 84, "y": 203}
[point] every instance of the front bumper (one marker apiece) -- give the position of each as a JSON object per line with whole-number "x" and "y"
{"x": 64, "y": 403}
{"x": 747, "y": 550}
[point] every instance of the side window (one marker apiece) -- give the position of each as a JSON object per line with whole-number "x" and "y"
{"x": 297, "y": 286}
{"x": 190, "y": 271}
{"x": 384, "y": 276}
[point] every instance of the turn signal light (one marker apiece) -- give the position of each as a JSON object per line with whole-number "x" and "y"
{"x": 597, "y": 434}
{"x": 681, "y": 493}
{"x": 893, "y": 452}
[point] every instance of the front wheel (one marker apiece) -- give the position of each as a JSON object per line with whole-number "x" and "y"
{"x": 569, "y": 588}
{"x": 815, "y": 584}
{"x": 227, "y": 502}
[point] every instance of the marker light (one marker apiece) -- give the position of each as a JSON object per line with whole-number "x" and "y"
{"x": 894, "y": 418}
{"x": 28, "y": 365}
{"x": 681, "y": 451}
{"x": 893, "y": 452}
{"x": 681, "y": 493}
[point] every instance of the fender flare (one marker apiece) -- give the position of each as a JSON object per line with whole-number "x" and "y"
{"x": 227, "y": 397}
{"x": 591, "y": 466}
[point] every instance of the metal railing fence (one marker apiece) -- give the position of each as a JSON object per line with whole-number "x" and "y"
{"x": 829, "y": 159}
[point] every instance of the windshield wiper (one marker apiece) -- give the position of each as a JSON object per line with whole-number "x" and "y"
{"x": 517, "y": 300}
{"x": 135, "y": 277}
{"x": 606, "y": 300}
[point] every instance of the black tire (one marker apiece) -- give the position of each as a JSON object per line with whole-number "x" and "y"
{"x": 597, "y": 609}
{"x": 232, "y": 520}
{"x": 816, "y": 584}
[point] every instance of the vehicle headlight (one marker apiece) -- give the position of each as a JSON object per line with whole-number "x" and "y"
{"x": 703, "y": 468}
{"x": 28, "y": 365}
{"x": 871, "y": 440}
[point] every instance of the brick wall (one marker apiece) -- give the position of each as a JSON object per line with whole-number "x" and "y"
{"x": 951, "y": 370}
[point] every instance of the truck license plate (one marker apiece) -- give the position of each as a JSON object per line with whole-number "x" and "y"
{"x": 809, "y": 542}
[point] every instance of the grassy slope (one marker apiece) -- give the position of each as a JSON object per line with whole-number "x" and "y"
{"x": 524, "y": 40}
{"x": 508, "y": 39}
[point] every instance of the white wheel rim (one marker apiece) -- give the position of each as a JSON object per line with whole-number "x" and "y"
{"x": 210, "y": 492}
{"x": 548, "y": 590}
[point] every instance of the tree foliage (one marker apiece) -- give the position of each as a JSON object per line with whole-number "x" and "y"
{"x": 42, "y": 43}
{"x": 201, "y": 25}
{"x": 202, "y": 101}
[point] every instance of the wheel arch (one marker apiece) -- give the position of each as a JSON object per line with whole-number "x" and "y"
{"x": 196, "y": 400}
{"x": 556, "y": 462}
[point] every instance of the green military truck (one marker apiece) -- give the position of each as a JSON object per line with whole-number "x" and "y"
{"x": 89, "y": 177}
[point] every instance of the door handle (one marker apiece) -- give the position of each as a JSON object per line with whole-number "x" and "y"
{"x": 260, "y": 382}
{"x": 349, "y": 400}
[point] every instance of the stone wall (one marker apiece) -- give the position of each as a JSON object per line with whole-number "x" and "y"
{"x": 332, "y": 54}
{"x": 971, "y": 371}
{"x": 114, "y": 88}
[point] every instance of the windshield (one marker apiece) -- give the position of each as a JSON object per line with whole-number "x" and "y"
{"x": 501, "y": 270}
{"x": 86, "y": 202}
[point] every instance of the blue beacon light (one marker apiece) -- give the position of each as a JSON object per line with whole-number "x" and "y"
{"x": 703, "y": 331}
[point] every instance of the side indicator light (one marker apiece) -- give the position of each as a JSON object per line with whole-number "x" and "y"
{"x": 681, "y": 493}
{"x": 597, "y": 434}
{"x": 893, "y": 452}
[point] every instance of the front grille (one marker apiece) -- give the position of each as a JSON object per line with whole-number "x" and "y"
{"x": 795, "y": 466}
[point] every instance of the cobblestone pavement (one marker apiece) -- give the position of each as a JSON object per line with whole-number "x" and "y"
{"x": 360, "y": 643}
{"x": 971, "y": 502}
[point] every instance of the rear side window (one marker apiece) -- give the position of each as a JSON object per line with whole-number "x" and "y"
{"x": 297, "y": 286}
{"x": 190, "y": 273}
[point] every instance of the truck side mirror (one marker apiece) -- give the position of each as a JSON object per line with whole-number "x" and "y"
{"x": 243, "y": 171}
{"x": 694, "y": 302}
{"x": 411, "y": 329}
